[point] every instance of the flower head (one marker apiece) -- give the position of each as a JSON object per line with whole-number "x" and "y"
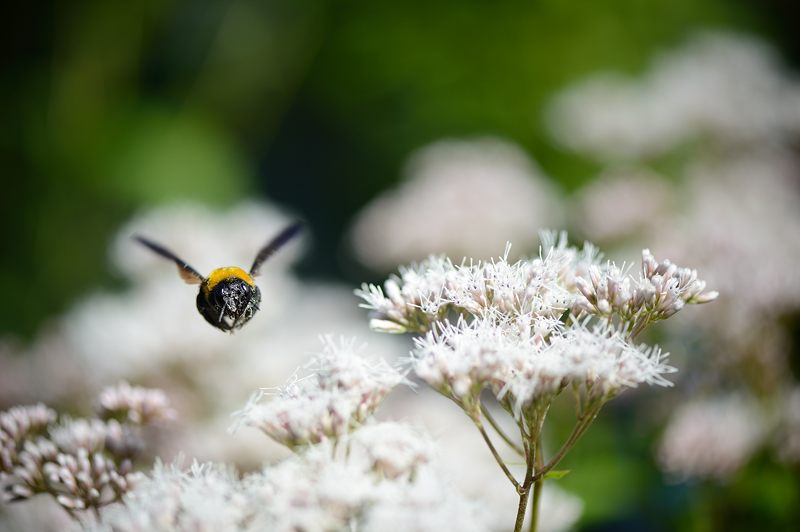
{"x": 339, "y": 391}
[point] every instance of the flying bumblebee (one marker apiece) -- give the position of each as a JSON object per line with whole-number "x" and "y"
{"x": 228, "y": 297}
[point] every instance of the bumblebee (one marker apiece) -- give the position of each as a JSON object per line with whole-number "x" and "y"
{"x": 228, "y": 297}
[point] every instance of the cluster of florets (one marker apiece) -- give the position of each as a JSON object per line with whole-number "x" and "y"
{"x": 434, "y": 289}
{"x": 338, "y": 392}
{"x": 83, "y": 463}
{"x": 527, "y": 330}
{"x": 379, "y": 474}
{"x": 660, "y": 291}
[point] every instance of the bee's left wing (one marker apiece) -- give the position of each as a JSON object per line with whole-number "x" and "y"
{"x": 187, "y": 273}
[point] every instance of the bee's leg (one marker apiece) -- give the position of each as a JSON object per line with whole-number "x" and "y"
{"x": 221, "y": 313}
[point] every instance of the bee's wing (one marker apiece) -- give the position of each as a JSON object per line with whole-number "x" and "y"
{"x": 274, "y": 245}
{"x": 187, "y": 273}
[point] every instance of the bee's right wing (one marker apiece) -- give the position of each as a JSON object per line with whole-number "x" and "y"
{"x": 187, "y": 273}
{"x": 274, "y": 245}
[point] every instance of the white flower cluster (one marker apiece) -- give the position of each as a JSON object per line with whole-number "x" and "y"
{"x": 340, "y": 390}
{"x": 460, "y": 198}
{"x": 499, "y": 325}
{"x": 523, "y": 365}
{"x": 429, "y": 291}
{"x": 728, "y": 88}
{"x": 320, "y": 489}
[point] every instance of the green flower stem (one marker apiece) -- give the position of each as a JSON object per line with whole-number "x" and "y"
{"x": 580, "y": 427}
{"x": 479, "y": 424}
{"x": 537, "y": 487}
{"x": 500, "y": 432}
{"x": 524, "y": 492}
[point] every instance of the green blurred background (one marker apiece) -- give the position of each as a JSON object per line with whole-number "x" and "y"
{"x": 108, "y": 107}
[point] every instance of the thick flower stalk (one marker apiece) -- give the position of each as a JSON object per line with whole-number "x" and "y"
{"x": 84, "y": 464}
{"x": 526, "y": 331}
{"x": 338, "y": 391}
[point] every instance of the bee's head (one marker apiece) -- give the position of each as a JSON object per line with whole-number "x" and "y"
{"x": 228, "y": 298}
{"x": 236, "y": 295}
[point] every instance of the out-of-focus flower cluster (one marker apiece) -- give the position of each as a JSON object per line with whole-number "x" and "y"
{"x": 320, "y": 489}
{"x": 339, "y": 392}
{"x": 83, "y": 463}
{"x": 344, "y": 476}
{"x": 460, "y": 198}
{"x": 725, "y": 113}
{"x": 730, "y": 89}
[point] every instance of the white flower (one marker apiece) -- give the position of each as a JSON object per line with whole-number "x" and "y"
{"x": 339, "y": 392}
{"x": 460, "y": 198}
{"x": 206, "y": 497}
{"x": 598, "y": 358}
{"x": 623, "y": 202}
{"x": 712, "y": 438}
{"x": 394, "y": 449}
{"x": 532, "y": 362}
{"x": 424, "y": 293}
{"x": 134, "y": 404}
{"x": 729, "y": 88}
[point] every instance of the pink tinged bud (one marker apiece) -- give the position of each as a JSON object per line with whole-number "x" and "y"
{"x": 584, "y": 288}
{"x": 386, "y": 326}
{"x": 706, "y": 297}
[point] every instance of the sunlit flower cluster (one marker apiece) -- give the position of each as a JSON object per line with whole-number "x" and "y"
{"x": 498, "y": 325}
{"x": 429, "y": 291}
{"x": 528, "y": 330}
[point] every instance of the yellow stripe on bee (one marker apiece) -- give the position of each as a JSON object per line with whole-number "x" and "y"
{"x": 220, "y": 274}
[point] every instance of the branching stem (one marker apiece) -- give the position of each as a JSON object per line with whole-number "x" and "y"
{"x": 496, "y": 426}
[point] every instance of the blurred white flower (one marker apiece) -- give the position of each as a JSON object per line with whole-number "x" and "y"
{"x": 712, "y": 438}
{"x": 134, "y": 404}
{"x": 206, "y": 497}
{"x": 728, "y": 88}
{"x": 622, "y": 202}
{"x": 320, "y": 489}
{"x": 395, "y": 449}
{"x": 339, "y": 391}
{"x": 460, "y": 198}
